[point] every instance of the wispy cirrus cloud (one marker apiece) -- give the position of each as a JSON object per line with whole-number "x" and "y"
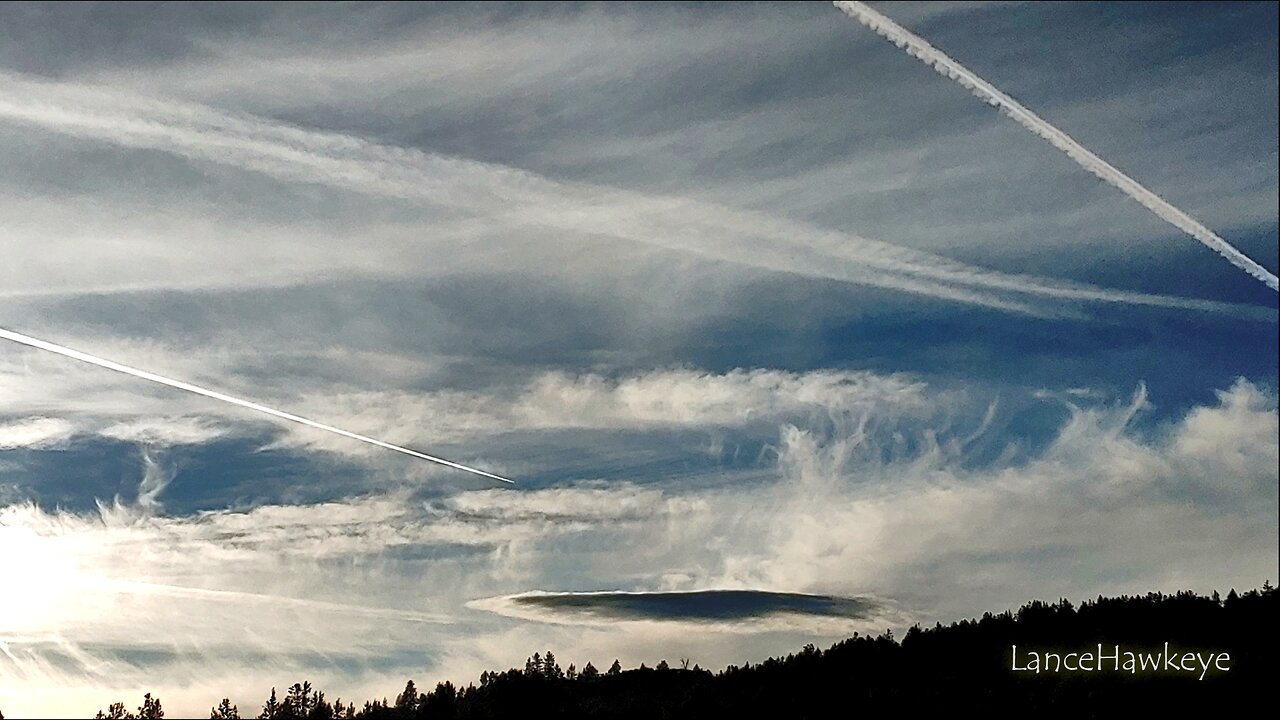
{"x": 847, "y": 516}
{"x": 610, "y": 251}
{"x": 35, "y": 432}
{"x": 97, "y": 403}
{"x": 520, "y": 198}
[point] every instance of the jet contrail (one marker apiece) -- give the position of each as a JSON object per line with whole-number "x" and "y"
{"x": 110, "y": 365}
{"x": 919, "y": 48}
{"x": 522, "y": 199}
{"x": 145, "y": 587}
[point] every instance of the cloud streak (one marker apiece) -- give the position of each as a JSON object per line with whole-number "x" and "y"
{"x": 520, "y": 199}
{"x": 851, "y": 514}
{"x": 249, "y": 404}
{"x": 919, "y": 48}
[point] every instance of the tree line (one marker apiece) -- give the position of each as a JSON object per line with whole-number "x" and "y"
{"x": 931, "y": 669}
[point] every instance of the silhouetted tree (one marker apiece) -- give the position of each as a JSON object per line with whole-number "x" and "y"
{"x": 150, "y": 709}
{"x": 320, "y": 708}
{"x": 375, "y": 709}
{"x": 407, "y": 701}
{"x": 300, "y": 701}
{"x": 550, "y": 668}
{"x": 224, "y": 711}
{"x": 931, "y": 670}
{"x": 441, "y": 703}
{"x": 115, "y": 711}
{"x": 272, "y": 709}
{"x": 341, "y": 713}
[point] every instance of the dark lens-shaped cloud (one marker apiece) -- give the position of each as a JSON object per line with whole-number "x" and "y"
{"x": 701, "y": 605}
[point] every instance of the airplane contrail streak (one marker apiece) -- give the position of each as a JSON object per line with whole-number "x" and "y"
{"x": 520, "y": 198}
{"x": 919, "y": 48}
{"x": 180, "y": 385}
{"x": 142, "y": 587}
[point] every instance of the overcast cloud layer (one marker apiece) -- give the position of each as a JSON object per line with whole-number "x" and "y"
{"x": 754, "y": 307}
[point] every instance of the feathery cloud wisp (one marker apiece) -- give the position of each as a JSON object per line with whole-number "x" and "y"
{"x": 521, "y": 198}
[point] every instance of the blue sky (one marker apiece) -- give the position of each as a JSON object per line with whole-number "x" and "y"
{"x": 744, "y": 297}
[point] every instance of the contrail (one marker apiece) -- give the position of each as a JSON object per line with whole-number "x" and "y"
{"x": 522, "y": 199}
{"x": 919, "y": 48}
{"x": 143, "y": 374}
{"x": 144, "y": 587}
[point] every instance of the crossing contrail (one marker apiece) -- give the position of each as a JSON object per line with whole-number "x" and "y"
{"x": 509, "y": 195}
{"x": 143, "y": 374}
{"x": 919, "y": 48}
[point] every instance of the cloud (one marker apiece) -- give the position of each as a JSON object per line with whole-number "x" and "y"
{"x": 919, "y": 48}
{"x": 855, "y": 509}
{"x": 659, "y": 399}
{"x": 522, "y": 199}
{"x": 154, "y": 480}
{"x": 717, "y": 610}
{"x": 230, "y": 400}
{"x": 164, "y": 431}
{"x": 499, "y": 251}
{"x": 98, "y": 403}
{"x": 36, "y": 433}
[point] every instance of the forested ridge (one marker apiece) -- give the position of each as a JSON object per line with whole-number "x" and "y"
{"x": 945, "y": 668}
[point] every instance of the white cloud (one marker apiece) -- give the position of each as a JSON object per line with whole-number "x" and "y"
{"x": 520, "y": 199}
{"x": 1103, "y": 509}
{"x": 164, "y": 431}
{"x": 36, "y": 433}
{"x": 98, "y": 402}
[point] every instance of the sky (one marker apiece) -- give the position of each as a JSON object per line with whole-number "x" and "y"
{"x": 782, "y": 335}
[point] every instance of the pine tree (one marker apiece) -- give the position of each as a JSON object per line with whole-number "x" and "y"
{"x": 115, "y": 711}
{"x": 589, "y": 671}
{"x": 441, "y": 702}
{"x": 615, "y": 668}
{"x": 272, "y": 709}
{"x": 150, "y": 709}
{"x": 299, "y": 702}
{"x": 407, "y": 701}
{"x": 320, "y": 708}
{"x": 549, "y": 667}
{"x": 224, "y": 711}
